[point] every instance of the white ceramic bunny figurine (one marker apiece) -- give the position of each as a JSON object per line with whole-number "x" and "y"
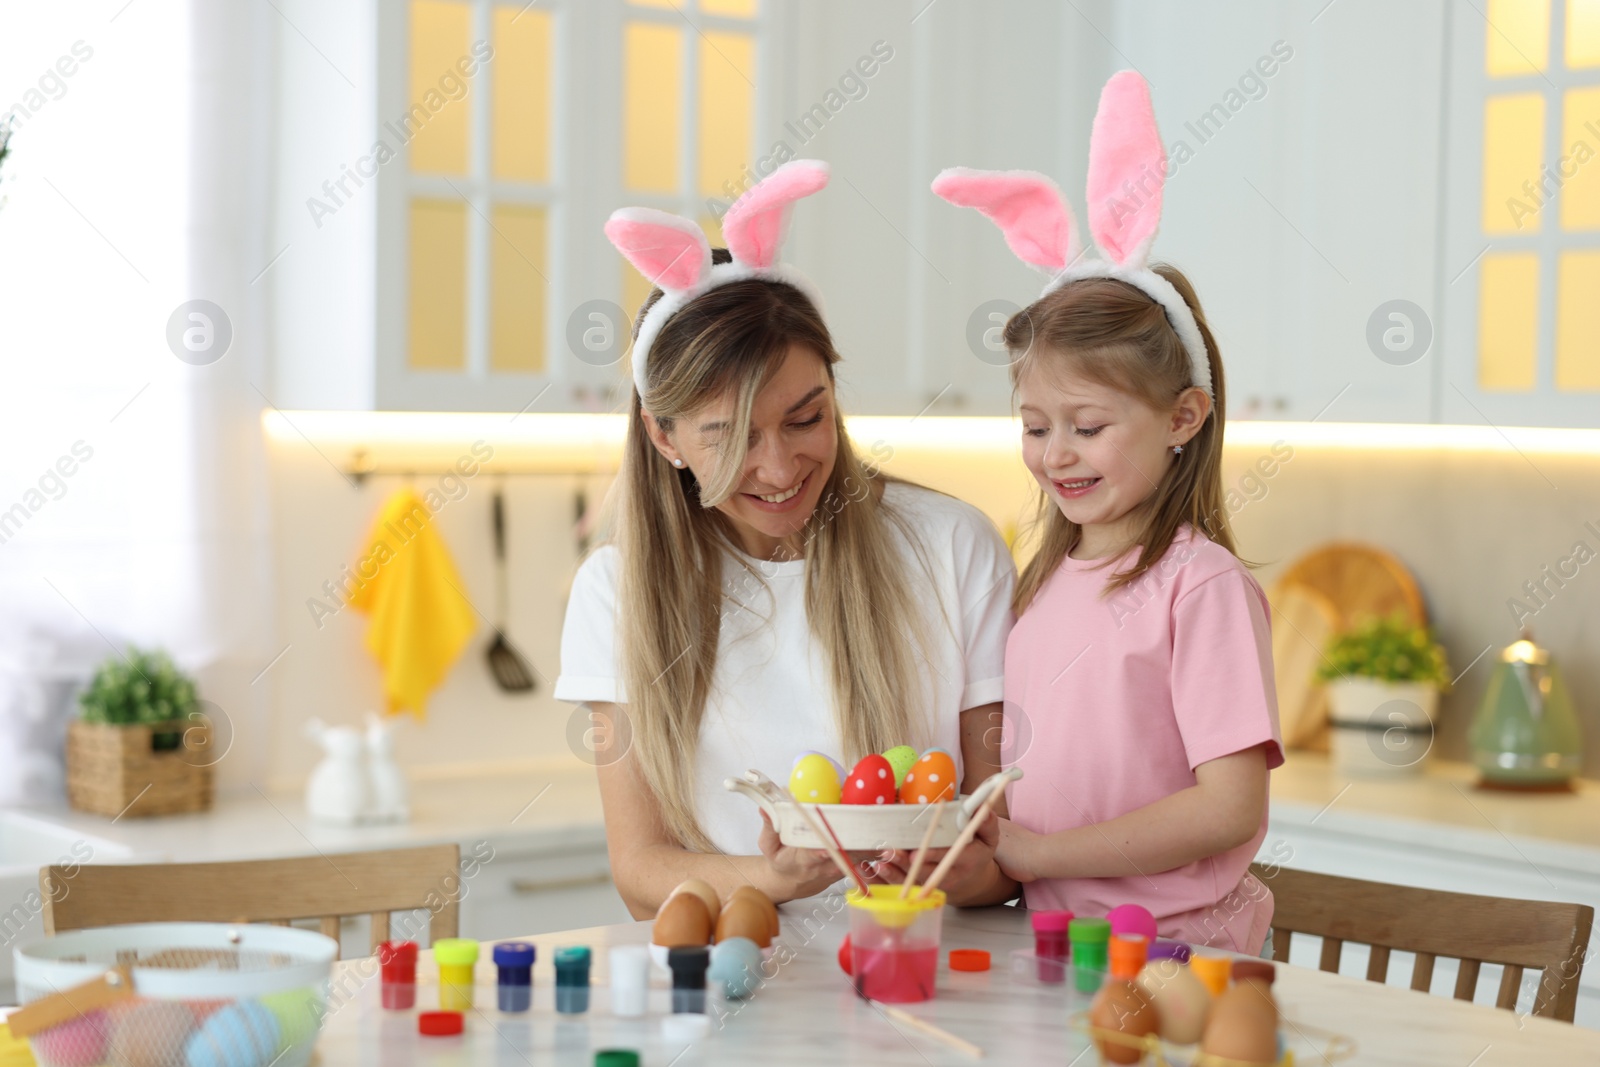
{"x": 338, "y": 791}
{"x": 390, "y": 795}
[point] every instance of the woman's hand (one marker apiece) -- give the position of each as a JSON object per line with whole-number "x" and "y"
{"x": 796, "y": 872}
{"x": 1015, "y": 851}
{"x": 972, "y": 866}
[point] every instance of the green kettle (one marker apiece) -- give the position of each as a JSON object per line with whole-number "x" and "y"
{"x": 1526, "y": 735}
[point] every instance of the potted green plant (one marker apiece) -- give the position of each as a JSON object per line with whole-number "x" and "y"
{"x": 1384, "y": 677}
{"x": 138, "y": 746}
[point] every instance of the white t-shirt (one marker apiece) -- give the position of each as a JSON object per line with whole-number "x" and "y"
{"x": 771, "y": 697}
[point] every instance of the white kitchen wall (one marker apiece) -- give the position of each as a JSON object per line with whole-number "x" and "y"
{"x": 1471, "y": 525}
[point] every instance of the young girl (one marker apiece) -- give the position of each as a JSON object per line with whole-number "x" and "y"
{"x": 1139, "y": 692}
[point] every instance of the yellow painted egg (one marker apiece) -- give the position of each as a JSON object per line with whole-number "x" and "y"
{"x": 682, "y": 921}
{"x": 814, "y": 780}
{"x": 931, "y": 778}
{"x": 703, "y": 890}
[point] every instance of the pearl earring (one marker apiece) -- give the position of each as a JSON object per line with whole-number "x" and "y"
{"x": 1177, "y": 450}
{"x": 677, "y": 463}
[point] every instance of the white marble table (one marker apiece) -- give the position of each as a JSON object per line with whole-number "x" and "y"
{"x": 808, "y": 1014}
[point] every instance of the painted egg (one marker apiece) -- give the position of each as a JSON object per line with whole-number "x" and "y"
{"x": 900, "y": 757}
{"x": 1122, "y": 1008}
{"x": 1181, "y": 1000}
{"x": 1132, "y": 919}
{"x": 78, "y": 1042}
{"x": 244, "y": 1034}
{"x": 703, "y": 890}
{"x": 762, "y": 901}
{"x": 150, "y": 1034}
{"x": 814, "y": 780}
{"x": 681, "y": 921}
{"x": 736, "y": 963}
{"x": 872, "y": 782}
{"x": 1243, "y": 1025}
{"x": 931, "y": 778}
{"x": 299, "y": 1013}
{"x": 844, "y": 955}
{"x": 838, "y": 768}
{"x": 745, "y": 918}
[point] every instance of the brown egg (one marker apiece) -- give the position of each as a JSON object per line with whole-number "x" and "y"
{"x": 682, "y": 921}
{"x": 1243, "y": 1024}
{"x": 1122, "y": 1007}
{"x": 765, "y": 902}
{"x": 744, "y": 917}
{"x": 703, "y": 890}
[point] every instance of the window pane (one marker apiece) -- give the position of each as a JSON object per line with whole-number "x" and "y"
{"x": 521, "y": 139}
{"x": 438, "y": 294}
{"x": 1580, "y": 189}
{"x": 1508, "y": 320}
{"x": 437, "y": 124}
{"x": 517, "y": 288}
{"x": 734, "y": 9}
{"x": 1578, "y": 322}
{"x": 1518, "y": 37}
{"x": 727, "y": 89}
{"x": 652, "y": 76}
{"x": 1513, "y": 147}
{"x": 1583, "y": 33}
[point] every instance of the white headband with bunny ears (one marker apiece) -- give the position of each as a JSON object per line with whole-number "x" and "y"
{"x": 672, "y": 252}
{"x": 1127, "y": 169}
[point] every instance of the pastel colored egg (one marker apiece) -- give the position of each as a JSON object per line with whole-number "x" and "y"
{"x": 931, "y": 778}
{"x": 244, "y": 1034}
{"x": 872, "y": 782}
{"x": 1132, "y": 919}
{"x": 736, "y": 963}
{"x": 900, "y": 757}
{"x": 299, "y": 1013}
{"x": 150, "y": 1034}
{"x": 78, "y": 1042}
{"x": 814, "y": 780}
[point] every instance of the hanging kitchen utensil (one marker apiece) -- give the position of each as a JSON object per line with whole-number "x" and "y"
{"x": 1526, "y": 734}
{"x": 511, "y": 671}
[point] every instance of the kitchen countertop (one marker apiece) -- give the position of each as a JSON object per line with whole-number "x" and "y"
{"x": 1442, "y": 808}
{"x": 541, "y": 809}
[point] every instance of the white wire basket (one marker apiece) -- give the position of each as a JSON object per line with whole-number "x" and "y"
{"x": 174, "y": 995}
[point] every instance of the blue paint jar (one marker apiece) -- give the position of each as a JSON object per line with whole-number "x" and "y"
{"x": 513, "y": 961}
{"x": 572, "y": 980}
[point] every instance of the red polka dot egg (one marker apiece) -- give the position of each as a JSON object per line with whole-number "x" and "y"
{"x": 932, "y": 778}
{"x": 872, "y": 782}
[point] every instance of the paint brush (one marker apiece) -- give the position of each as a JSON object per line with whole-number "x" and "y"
{"x": 922, "y": 851}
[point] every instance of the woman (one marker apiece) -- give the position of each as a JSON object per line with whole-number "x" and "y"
{"x": 766, "y": 591}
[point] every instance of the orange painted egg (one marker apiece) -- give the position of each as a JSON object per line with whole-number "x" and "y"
{"x": 872, "y": 782}
{"x": 931, "y": 778}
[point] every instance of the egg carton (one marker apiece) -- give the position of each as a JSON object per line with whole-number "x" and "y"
{"x": 865, "y": 827}
{"x": 176, "y": 995}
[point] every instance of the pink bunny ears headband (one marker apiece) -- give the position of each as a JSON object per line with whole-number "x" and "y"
{"x": 672, "y": 252}
{"x": 1127, "y": 169}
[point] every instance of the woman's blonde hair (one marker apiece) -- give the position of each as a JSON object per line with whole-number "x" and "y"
{"x": 673, "y": 542}
{"x": 1115, "y": 335}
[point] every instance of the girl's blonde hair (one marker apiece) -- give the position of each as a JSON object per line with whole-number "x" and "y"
{"x": 673, "y": 542}
{"x": 1115, "y": 335}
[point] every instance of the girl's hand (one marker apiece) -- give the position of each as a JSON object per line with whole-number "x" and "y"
{"x": 1014, "y": 852}
{"x": 796, "y": 872}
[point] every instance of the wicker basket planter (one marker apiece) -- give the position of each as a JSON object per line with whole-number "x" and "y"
{"x": 117, "y": 770}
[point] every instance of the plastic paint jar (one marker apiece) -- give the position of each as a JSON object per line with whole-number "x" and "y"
{"x": 513, "y": 961}
{"x": 1089, "y": 939}
{"x": 1050, "y": 944}
{"x": 689, "y": 964}
{"x": 397, "y": 964}
{"x": 630, "y": 979}
{"x": 572, "y": 979}
{"x": 456, "y": 957}
{"x": 1127, "y": 955}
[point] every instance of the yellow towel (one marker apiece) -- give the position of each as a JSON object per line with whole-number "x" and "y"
{"x": 421, "y": 619}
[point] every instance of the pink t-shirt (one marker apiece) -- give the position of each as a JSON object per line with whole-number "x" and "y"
{"x": 1112, "y": 702}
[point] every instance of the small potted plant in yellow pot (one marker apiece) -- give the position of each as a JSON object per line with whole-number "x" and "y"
{"x": 140, "y": 747}
{"x": 1384, "y": 678}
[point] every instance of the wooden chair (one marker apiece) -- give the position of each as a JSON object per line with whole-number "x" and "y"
{"x": 1516, "y": 934}
{"x": 276, "y": 891}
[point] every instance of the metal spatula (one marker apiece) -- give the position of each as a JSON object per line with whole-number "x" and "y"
{"x": 511, "y": 671}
